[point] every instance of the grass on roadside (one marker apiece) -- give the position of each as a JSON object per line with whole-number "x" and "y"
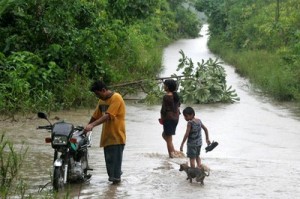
{"x": 264, "y": 69}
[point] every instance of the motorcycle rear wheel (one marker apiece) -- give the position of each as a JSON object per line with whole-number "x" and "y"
{"x": 58, "y": 178}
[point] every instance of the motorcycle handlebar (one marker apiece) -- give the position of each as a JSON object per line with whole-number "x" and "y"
{"x": 79, "y": 128}
{"x": 48, "y": 127}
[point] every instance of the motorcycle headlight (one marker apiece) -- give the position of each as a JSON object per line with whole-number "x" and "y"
{"x": 60, "y": 140}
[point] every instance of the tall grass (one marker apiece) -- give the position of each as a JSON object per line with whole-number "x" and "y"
{"x": 264, "y": 69}
{"x": 11, "y": 183}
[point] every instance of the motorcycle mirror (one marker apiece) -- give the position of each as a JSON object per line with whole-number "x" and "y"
{"x": 42, "y": 115}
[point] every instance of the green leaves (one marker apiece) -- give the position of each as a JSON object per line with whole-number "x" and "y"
{"x": 24, "y": 76}
{"x": 204, "y": 84}
{"x": 11, "y": 162}
{"x": 47, "y": 45}
{"x": 130, "y": 10}
{"x": 261, "y": 39}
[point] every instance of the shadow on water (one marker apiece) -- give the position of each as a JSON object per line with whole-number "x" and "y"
{"x": 258, "y": 154}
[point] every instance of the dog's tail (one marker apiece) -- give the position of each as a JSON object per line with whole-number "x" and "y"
{"x": 206, "y": 169}
{"x": 207, "y": 174}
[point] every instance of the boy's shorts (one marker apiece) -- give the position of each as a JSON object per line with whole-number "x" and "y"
{"x": 193, "y": 151}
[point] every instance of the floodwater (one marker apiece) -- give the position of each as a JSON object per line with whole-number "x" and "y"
{"x": 258, "y": 154}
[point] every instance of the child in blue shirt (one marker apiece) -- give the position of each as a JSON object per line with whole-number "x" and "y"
{"x": 193, "y": 136}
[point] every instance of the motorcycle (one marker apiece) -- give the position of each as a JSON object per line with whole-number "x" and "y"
{"x": 70, "y": 144}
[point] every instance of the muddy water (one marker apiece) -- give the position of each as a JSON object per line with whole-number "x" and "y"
{"x": 258, "y": 154}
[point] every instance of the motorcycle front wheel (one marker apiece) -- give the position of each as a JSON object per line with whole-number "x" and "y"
{"x": 58, "y": 178}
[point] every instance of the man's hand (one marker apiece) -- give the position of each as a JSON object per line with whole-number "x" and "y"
{"x": 88, "y": 128}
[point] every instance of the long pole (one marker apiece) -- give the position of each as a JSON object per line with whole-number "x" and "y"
{"x": 141, "y": 81}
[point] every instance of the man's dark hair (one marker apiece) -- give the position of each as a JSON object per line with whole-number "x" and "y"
{"x": 98, "y": 85}
{"x": 188, "y": 111}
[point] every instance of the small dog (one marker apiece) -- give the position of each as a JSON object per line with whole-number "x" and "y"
{"x": 198, "y": 173}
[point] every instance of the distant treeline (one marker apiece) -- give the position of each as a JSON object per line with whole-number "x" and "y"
{"x": 261, "y": 38}
{"x": 50, "y": 50}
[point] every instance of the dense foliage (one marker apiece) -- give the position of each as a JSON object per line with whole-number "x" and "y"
{"x": 50, "y": 50}
{"x": 261, "y": 38}
{"x": 200, "y": 83}
{"x": 204, "y": 82}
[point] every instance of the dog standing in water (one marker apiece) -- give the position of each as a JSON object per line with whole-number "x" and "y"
{"x": 198, "y": 173}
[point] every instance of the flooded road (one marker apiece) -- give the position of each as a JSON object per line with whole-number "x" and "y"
{"x": 258, "y": 154}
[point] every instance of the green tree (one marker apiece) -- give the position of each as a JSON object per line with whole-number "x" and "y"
{"x": 264, "y": 27}
{"x": 78, "y": 41}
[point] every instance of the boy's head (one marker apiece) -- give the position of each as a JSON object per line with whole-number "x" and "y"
{"x": 188, "y": 113}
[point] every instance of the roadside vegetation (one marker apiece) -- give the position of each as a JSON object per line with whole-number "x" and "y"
{"x": 50, "y": 51}
{"x": 11, "y": 161}
{"x": 261, "y": 39}
{"x": 13, "y": 184}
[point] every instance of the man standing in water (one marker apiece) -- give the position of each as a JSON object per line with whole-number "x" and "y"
{"x": 110, "y": 112}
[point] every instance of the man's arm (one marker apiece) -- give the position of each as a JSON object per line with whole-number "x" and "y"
{"x": 93, "y": 122}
